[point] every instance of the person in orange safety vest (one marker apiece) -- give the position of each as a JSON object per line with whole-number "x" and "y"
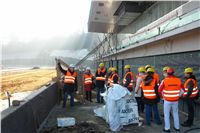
{"x": 70, "y": 83}
{"x": 190, "y": 94}
{"x": 150, "y": 96}
{"x": 170, "y": 90}
{"x": 114, "y": 79}
{"x": 128, "y": 79}
{"x": 100, "y": 81}
{"x": 88, "y": 84}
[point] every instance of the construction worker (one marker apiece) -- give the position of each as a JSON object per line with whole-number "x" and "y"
{"x": 100, "y": 81}
{"x": 155, "y": 75}
{"x": 128, "y": 78}
{"x": 88, "y": 83}
{"x": 114, "y": 79}
{"x": 149, "y": 87}
{"x": 190, "y": 93}
{"x": 70, "y": 83}
{"x": 138, "y": 91}
{"x": 170, "y": 90}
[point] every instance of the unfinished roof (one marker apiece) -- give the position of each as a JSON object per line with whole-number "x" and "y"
{"x": 108, "y": 16}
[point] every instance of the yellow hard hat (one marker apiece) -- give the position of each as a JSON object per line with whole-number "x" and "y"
{"x": 150, "y": 70}
{"x": 114, "y": 69}
{"x": 141, "y": 69}
{"x": 101, "y": 65}
{"x": 188, "y": 70}
{"x": 127, "y": 66}
{"x": 165, "y": 68}
{"x": 147, "y": 66}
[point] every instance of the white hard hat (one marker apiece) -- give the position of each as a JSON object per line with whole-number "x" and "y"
{"x": 87, "y": 68}
{"x": 71, "y": 66}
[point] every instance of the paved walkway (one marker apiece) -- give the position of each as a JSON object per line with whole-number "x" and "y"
{"x": 87, "y": 122}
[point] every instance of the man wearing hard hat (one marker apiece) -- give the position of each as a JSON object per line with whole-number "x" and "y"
{"x": 149, "y": 88}
{"x": 155, "y": 75}
{"x": 70, "y": 83}
{"x": 128, "y": 78}
{"x": 114, "y": 79}
{"x": 100, "y": 81}
{"x": 190, "y": 93}
{"x": 170, "y": 90}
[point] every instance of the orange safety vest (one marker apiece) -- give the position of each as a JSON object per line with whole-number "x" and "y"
{"x": 195, "y": 89}
{"x": 132, "y": 78}
{"x": 69, "y": 78}
{"x": 172, "y": 87}
{"x": 157, "y": 78}
{"x": 87, "y": 79}
{"x": 149, "y": 90}
{"x": 112, "y": 78}
{"x": 101, "y": 78}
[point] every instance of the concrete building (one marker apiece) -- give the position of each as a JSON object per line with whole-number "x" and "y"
{"x": 157, "y": 33}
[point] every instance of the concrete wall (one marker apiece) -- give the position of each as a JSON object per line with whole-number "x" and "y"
{"x": 27, "y": 117}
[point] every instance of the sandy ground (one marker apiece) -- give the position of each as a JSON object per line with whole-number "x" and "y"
{"x": 25, "y": 80}
{"x": 22, "y": 82}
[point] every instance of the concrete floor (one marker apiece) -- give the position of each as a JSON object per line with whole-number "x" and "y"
{"x": 83, "y": 113}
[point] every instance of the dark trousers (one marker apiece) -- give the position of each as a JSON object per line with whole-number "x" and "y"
{"x": 65, "y": 96}
{"x": 148, "y": 109}
{"x": 88, "y": 95}
{"x": 99, "y": 97}
{"x": 140, "y": 104}
{"x": 190, "y": 104}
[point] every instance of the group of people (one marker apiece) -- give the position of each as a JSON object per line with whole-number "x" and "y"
{"x": 147, "y": 88}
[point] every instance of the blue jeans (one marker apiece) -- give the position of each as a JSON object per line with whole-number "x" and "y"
{"x": 99, "y": 97}
{"x": 65, "y": 96}
{"x": 148, "y": 113}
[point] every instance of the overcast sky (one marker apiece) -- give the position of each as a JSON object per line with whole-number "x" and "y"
{"x": 26, "y": 20}
{"x": 38, "y": 28}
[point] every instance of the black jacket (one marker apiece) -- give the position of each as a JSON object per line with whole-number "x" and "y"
{"x": 128, "y": 80}
{"x": 190, "y": 87}
{"x": 115, "y": 79}
{"x": 100, "y": 84}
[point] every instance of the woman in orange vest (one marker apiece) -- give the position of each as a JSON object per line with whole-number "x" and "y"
{"x": 70, "y": 84}
{"x": 150, "y": 98}
{"x": 88, "y": 84}
{"x": 190, "y": 93}
{"x": 128, "y": 78}
{"x": 114, "y": 79}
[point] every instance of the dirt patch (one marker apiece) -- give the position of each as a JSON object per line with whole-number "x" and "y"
{"x": 82, "y": 127}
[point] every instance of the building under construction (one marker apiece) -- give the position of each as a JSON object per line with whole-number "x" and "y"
{"x": 138, "y": 33}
